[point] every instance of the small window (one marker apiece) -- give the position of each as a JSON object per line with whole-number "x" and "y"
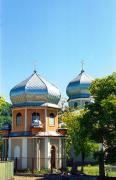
{"x": 35, "y": 119}
{"x": 87, "y": 102}
{"x": 52, "y": 120}
{"x": 18, "y": 119}
{"x": 75, "y": 104}
{"x": 35, "y": 116}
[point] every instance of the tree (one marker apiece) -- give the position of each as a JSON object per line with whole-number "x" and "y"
{"x": 100, "y": 117}
{"x": 77, "y": 136}
{"x": 5, "y": 111}
{"x": 5, "y": 115}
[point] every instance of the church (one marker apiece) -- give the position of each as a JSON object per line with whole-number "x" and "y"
{"x": 35, "y": 138}
{"x": 35, "y": 133}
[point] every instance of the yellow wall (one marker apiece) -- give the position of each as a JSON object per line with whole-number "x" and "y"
{"x": 21, "y": 127}
{"x": 30, "y": 110}
{"x": 51, "y": 127}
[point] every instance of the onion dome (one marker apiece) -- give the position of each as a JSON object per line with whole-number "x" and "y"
{"x": 78, "y": 87}
{"x": 35, "y": 91}
{"x": 6, "y": 126}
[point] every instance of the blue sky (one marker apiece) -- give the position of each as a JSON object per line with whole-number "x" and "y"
{"x": 58, "y": 34}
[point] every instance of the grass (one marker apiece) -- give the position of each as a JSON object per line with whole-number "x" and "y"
{"x": 88, "y": 170}
{"x": 39, "y": 172}
{"x": 42, "y": 171}
{"x": 94, "y": 170}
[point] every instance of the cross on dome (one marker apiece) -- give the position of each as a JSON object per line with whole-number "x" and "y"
{"x": 35, "y": 65}
{"x": 82, "y": 63}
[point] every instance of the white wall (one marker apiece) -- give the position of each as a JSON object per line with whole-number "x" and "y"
{"x": 9, "y": 148}
{"x": 47, "y": 152}
{"x": 24, "y": 153}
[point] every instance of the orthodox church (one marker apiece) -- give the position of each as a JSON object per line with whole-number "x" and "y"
{"x": 35, "y": 132}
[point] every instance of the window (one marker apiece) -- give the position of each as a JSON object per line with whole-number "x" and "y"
{"x": 87, "y": 102}
{"x": 18, "y": 119}
{"x": 35, "y": 119}
{"x": 75, "y": 104}
{"x": 52, "y": 120}
{"x": 35, "y": 116}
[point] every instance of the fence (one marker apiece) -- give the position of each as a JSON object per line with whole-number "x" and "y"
{"x": 32, "y": 164}
{"x": 6, "y": 170}
{"x": 37, "y": 164}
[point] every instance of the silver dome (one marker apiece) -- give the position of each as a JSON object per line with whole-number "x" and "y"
{"x": 78, "y": 87}
{"x": 34, "y": 91}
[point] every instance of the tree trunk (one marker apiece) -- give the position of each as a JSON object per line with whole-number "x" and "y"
{"x": 83, "y": 159}
{"x": 101, "y": 170}
{"x": 74, "y": 167}
{"x": 101, "y": 163}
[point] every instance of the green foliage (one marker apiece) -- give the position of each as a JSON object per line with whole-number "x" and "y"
{"x": 5, "y": 115}
{"x": 76, "y": 134}
{"x": 5, "y": 111}
{"x": 42, "y": 171}
{"x": 91, "y": 170}
{"x": 94, "y": 170}
{"x": 102, "y": 88}
{"x": 100, "y": 117}
{"x": 96, "y": 123}
{"x": 108, "y": 170}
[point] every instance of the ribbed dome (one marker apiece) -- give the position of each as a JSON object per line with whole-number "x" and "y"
{"x": 34, "y": 91}
{"x": 78, "y": 87}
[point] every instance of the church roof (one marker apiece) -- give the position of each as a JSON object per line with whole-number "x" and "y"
{"x": 78, "y": 87}
{"x": 35, "y": 90}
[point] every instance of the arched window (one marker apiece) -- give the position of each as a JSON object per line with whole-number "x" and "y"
{"x": 18, "y": 119}
{"x": 52, "y": 120}
{"x": 35, "y": 119}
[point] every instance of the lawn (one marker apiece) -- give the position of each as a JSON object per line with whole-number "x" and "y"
{"x": 94, "y": 170}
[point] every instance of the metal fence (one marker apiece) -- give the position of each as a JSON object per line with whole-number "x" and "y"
{"x": 33, "y": 164}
